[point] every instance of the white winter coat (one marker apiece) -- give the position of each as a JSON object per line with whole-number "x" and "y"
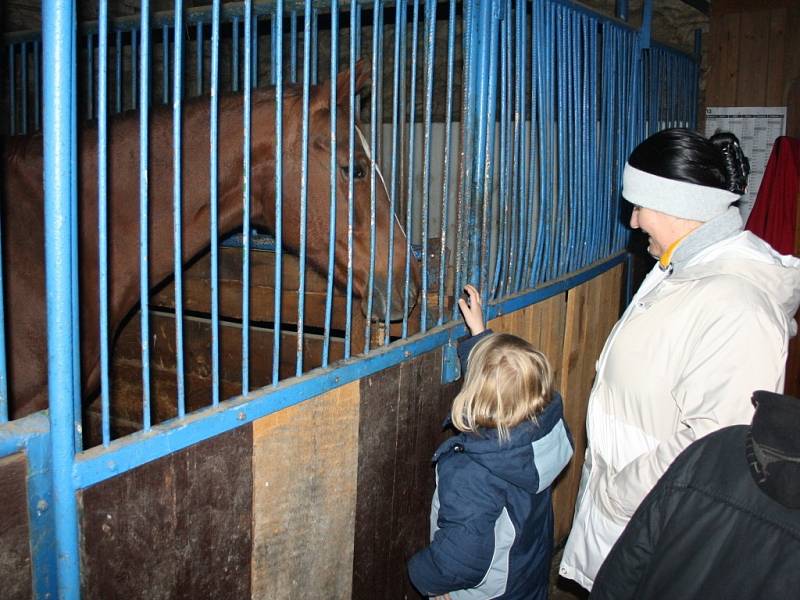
{"x": 682, "y": 361}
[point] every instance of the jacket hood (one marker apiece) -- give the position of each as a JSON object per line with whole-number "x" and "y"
{"x": 750, "y": 258}
{"x": 532, "y": 457}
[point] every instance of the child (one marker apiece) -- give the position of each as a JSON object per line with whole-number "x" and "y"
{"x": 492, "y": 514}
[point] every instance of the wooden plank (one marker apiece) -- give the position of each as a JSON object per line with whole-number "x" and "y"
{"x": 716, "y": 58}
{"x": 15, "y": 552}
{"x": 729, "y": 59}
{"x": 751, "y": 78}
{"x": 592, "y": 310}
{"x": 304, "y": 495}
{"x": 542, "y": 325}
{"x": 178, "y": 527}
{"x": 776, "y": 41}
{"x": 401, "y": 412}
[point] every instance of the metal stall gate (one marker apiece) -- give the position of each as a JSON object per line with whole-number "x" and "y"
{"x": 303, "y": 187}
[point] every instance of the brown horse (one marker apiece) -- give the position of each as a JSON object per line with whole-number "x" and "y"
{"x": 24, "y": 245}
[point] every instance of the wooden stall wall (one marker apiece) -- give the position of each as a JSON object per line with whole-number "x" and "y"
{"x": 328, "y": 498}
{"x": 755, "y": 61}
{"x": 15, "y": 551}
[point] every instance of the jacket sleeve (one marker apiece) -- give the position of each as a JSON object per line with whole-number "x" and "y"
{"x": 460, "y": 553}
{"x": 736, "y": 353}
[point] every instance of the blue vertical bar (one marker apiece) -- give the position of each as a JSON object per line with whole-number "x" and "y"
{"x": 293, "y": 47}
{"x": 276, "y": 338}
{"x": 247, "y": 81}
{"x": 399, "y": 33}
{"x": 165, "y": 63}
{"x": 214, "y": 200}
{"x": 351, "y": 134}
{"x": 373, "y": 131}
{"x": 118, "y": 71}
{"x": 235, "y": 55}
{"x": 90, "y": 75}
{"x": 198, "y": 58}
{"x": 430, "y": 44}
{"x": 144, "y": 286}
{"x": 315, "y": 47}
{"x": 410, "y": 184}
{"x": 37, "y": 76}
{"x": 58, "y": 20}
{"x": 77, "y": 428}
{"x": 134, "y": 70}
{"x": 102, "y": 207}
{"x": 177, "y": 213}
{"x": 24, "y": 85}
{"x": 308, "y": 13}
{"x": 12, "y": 92}
{"x": 334, "y": 169}
{"x": 451, "y": 39}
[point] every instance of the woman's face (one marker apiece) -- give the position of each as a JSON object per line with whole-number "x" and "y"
{"x": 662, "y": 229}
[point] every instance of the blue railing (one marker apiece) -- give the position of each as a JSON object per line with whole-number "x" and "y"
{"x": 534, "y": 110}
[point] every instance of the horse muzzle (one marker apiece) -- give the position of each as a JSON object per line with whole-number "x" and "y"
{"x": 401, "y": 303}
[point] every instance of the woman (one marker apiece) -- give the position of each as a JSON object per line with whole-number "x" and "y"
{"x": 709, "y": 325}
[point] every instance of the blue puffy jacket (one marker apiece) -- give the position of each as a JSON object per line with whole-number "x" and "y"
{"x": 492, "y": 512}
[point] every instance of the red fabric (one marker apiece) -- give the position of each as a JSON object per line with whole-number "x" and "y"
{"x": 774, "y": 213}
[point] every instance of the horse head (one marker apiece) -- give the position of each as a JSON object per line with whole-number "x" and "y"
{"x": 389, "y": 244}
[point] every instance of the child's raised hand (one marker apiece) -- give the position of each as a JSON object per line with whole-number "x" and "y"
{"x": 471, "y": 310}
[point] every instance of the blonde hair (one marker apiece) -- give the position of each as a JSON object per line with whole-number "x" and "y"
{"x": 508, "y": 381}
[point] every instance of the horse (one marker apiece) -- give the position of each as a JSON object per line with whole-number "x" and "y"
{"x": 23, "y": 215}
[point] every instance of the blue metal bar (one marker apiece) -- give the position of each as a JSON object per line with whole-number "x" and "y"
{"x": 278, "y": 60}
{"x": 334, "y": 169}
{"x": 12, "y": 91}
{"x": 430, "y": 45}
{"x": 373, "y": 134}
{"x": 177, "y": 203}
{"x": 351, "y": 134}
{"x": 102, "y": 217}
{"x": 503, "y": 199}
{"x": 24, "y": 85}
{"x": 77, "y": 428}
{"x": 90, "y": 76}
{"x": 399, "y": 35}
{"x": 235, "y": 54}
{"x": 293, "y": 47}
{"x": 247, "y": 81}
{"x": 165, "y": 64}
{"x": 134, "y": 62}
{"x": 118, "y": 72}
{"x": 214, "y": 200}
{"x": 315, "y": 47}
{"x": 36, "y": 79}
{"x": 410, "y": 184}
{"x": 198, "y": 58}
{"x": 58, "y": 19}
{"x": 144, "y": 244}
{"x": 448, "y": 126}
{"x": 92, "y": 468}
{"x": 308, "y": 14}
{"x": 465, "y": 167}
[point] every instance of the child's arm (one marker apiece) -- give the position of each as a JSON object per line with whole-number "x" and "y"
{"x": 472, "y": 312}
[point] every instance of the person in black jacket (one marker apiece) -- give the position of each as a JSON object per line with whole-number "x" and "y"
{"x": 492, "y": 513}
{"x": 724, "y": 520}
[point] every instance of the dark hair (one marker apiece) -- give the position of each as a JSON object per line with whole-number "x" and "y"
{"x": 686, "y": 155}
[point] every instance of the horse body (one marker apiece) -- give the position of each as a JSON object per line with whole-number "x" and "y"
{"x": 24, "y": 217}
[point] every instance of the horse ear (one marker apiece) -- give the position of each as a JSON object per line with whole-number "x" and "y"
{"x": 363, "y": 81}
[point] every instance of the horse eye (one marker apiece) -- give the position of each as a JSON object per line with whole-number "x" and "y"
{"x": 359, "y": 172}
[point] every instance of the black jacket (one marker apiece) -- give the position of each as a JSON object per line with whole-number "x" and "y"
{"x": 706, "y": 531}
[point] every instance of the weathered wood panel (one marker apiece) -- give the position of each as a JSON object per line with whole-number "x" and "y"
{"x": 15, "y": 552}
{"x": 592, "y": 310}
{"x": 304, "y": 474}
{"x": 178, "y": 527}
{"x": 401, "y": 412}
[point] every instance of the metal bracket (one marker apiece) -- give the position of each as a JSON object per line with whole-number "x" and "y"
{"x": 451, "y": 366}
